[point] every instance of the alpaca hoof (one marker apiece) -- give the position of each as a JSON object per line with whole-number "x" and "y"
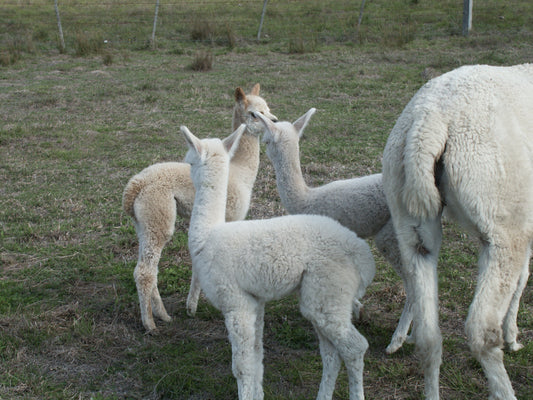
{"x": 358, "y": 309}
{"x": 150, "y": 327}
{"x": 191, "y": 308}
{"x": 515, "y": 346}
{"x": 394, "y": 346}
{"x": 165, "y": 317}
{"x": 148, "y": 322}
{"x": 152, "y": 332}
{"x": 410, "y": 339}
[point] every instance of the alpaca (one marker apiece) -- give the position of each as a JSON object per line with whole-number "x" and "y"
{"x": 359, "y": 204}
{"x": 156, "y": 195}
{"x": 243, "y": 264}
{"x": 463, "y": 147}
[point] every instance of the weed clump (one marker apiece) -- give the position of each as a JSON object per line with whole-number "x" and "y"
{"x": 202, "y": 31}
{"x": 203, "y": 61}
{"x": 88, "y": 44}
{"x": 14, "y": 46}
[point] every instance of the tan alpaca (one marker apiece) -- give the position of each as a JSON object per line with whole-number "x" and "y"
{"x": 160, "y": 192}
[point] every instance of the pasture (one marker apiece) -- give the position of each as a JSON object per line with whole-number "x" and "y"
{"x": 75, "y": 125}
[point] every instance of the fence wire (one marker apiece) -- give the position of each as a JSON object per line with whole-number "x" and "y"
{"x": 130, "y": 23}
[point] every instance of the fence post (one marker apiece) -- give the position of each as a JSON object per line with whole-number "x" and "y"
{"x": 467, "y": 16}
{"x": 61, "y": 39}
{"x": 262, "y": 18}
{"x": 361, "y": 9}
{"x": 155, "y": 23}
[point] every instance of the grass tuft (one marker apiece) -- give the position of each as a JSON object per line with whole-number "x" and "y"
{"x": 87, "y": 44}
{"x": 203, "y": 61}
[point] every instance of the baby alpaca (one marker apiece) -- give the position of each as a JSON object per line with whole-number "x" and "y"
{"x": 463, "y": 146}
{"x": 156, "y": 195}
{"x": 359, "y": 204}
{"x": 243, "y": 264}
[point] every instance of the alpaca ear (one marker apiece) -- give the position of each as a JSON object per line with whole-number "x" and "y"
{"x": 269, "y": 125}
{"x": 192, "y": 141}
{"x": 231, "y": 143}
{"x": 255, "y": 89}
{"x": 240, "y": 97}
{"x": 302, "y": 122}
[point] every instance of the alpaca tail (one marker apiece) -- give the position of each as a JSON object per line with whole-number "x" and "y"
{"x": 131, "y": 191}
{"x": 424, "y": 146}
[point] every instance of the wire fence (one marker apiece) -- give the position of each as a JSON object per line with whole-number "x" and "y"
{"x": 133, "y": 24}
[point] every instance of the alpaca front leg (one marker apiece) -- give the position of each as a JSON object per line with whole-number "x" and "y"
{"x": 194, "y": 295}
{"x": 241, "y": 331}
{"x": 258, "y": 351}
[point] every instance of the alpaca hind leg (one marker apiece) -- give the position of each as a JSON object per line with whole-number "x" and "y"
{"x": 500, "y": 267}
{"x": 155, "y": 227}
{"x": 331, "y": 316}
{"x": 194, "y": 295}
{"x": 241, "y": 330}
{"x": 400, "y": 335}
{"x": 387, "y": 244}
{"x": 420, "y": 242}
{"x": 331, "y": 364}
{"x": 510, "y": 329}
{"x": 145, "y": 275}
{"x": 351, "y": 346}
{"x": 158, "y": 307}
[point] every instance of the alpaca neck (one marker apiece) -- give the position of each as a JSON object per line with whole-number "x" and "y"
{"x": 238, "y": 117}
{"x": 289, "y": 179}
{"x": 209, "y": 207}
{"x": 246, "y": 157}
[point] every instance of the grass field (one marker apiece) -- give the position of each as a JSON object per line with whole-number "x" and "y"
{"x": 76, "y": 125}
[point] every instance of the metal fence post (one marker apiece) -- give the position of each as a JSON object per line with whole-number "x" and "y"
{"x": 155, "y": 23}
{"x": 262, "y": 18}
{"x": 467, "y": 16}
{"x": 61, "y": 39}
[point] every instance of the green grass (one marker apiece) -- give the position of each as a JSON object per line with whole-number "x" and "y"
{"x": 76, "y": 126}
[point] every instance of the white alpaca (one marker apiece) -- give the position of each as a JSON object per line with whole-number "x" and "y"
{"x": 359, "y": 204}
{"x": 160, "y": 192}
{"x": 241, "y": 265}
{"x": 464, "y": 145}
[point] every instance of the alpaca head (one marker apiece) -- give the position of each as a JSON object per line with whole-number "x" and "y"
{"x": 211, "y": 151}
{"x": 246, "y": 105}
{"x": 278, "y": 134}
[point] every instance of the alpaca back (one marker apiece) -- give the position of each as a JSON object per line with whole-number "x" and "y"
{"x": 160, "y": 180}
{"x": 266, "y": 258}
{"x": 475, "y": 118}
{"x": 358, "y": 204}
